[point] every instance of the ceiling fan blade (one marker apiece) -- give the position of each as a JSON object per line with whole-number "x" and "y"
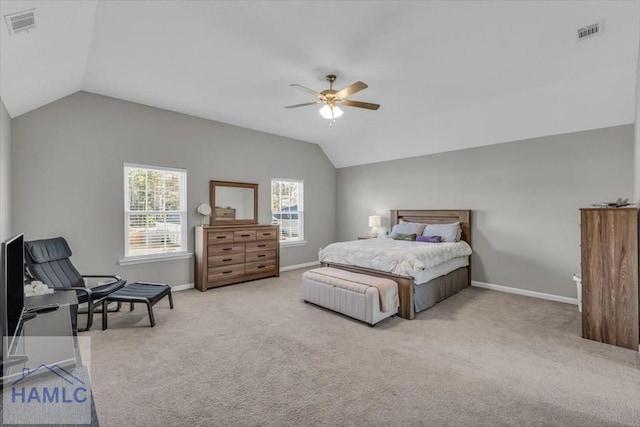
{"x": 351, "y": 89}
{"x": 367, "y": 105}
{"x": 303, "y": 105}
{"x": 306, "y": 89}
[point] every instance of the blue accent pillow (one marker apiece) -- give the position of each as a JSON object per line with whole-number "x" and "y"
{"x": 429, "y": 239}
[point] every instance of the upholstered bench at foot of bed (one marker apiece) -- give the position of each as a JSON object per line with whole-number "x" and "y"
{"x": 346, "y": 293}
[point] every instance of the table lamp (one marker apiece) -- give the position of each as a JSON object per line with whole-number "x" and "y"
{"x": 374, "y": 223}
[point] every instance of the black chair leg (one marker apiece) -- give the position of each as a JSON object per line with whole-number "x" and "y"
{"x": 130, "y": 306}
{"x": 150, "y": 308}
{"x": 89, "y": 315}
{"x": 170, "y": 300}
{"x": 99, "y": 310}
{"x": 105, "y": 313}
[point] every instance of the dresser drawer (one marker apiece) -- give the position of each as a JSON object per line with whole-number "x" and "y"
{"x": 271, "y": 234}
{"x": 225, "y": 272}
{"x": 260, "y": 256}
{"x": 244, "y": 236}
{"x": 260, "y": 267}
{"x": 219, "y": 237}
{"x": 224, "y": 249}
{"x": 261, "y": 246}
{"x": 226, "y": 259}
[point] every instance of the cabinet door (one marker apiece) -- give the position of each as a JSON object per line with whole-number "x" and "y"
{"x": 610, "y": 276}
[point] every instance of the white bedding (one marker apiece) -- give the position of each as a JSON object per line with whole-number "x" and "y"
{"x": 440, "y": 270}
{"x": 395, "y": 256}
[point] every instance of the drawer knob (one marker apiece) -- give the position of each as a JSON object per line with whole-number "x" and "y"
{"x": 261, "y": 266}
{"x": 221, "y": 237}
{"x": 227, "y": 259}
{"x": 261, "y": 246}
{"x": 226, "y": 249}
{"x": 245, "y": 235}
{"x": 261, "y": 256}
{"x": 227, "y": 272}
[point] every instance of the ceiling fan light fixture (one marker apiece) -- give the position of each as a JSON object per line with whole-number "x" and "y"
{"x": 331, "y": 112}
{"x": 329, "y": 98}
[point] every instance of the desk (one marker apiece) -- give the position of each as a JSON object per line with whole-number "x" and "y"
{"x": 54, "y": 361}
{"x": 62, "y": 298}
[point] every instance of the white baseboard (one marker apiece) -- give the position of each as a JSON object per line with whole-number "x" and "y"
{"x": 297, "y": 266}
{"x": 525, "y": 292}
{"x": 184, "y": 287}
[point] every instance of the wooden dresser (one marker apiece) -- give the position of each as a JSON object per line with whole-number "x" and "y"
{"x": 609, "y": 253}
{"x": 233, "y": 254}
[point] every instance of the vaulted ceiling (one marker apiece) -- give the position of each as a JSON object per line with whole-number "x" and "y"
{"x": 449, "y": 75}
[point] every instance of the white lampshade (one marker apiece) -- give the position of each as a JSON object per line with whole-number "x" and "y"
{"x": 374, "y": 221}
{"x": 331, "y": 112}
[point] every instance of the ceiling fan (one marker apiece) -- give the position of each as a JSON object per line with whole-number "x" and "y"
{"x": 332, "y": 98}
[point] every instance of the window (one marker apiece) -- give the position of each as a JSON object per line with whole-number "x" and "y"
{"x": 287, "y": 209}
{"x": 155, "y": 214}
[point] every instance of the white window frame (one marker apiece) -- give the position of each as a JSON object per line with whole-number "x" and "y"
{"x": 179, "y": 254}
{"x": 300, "y": 212}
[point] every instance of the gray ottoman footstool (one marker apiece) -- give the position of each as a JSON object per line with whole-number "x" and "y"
{"x": 148, "y": 293}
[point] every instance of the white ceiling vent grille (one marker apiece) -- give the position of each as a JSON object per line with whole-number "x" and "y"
{"x": 21, "y": 21}
{"x": 589, "y": 31}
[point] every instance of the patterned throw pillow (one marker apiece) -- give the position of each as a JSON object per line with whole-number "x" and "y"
{"x": 410, "y": 237}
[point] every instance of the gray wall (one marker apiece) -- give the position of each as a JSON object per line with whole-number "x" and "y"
{"x": 68, "y": 176}
{"x": 524, "y": 195}
{"x": 5, "y": 173}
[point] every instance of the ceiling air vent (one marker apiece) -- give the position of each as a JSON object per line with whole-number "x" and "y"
{"x": 590, "y": 30}
{"x": 21, "y": 21}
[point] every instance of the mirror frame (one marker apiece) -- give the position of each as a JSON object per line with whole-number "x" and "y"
{"x": 212, "y": 201}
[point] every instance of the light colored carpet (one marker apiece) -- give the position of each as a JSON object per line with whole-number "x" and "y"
{"x": 255, "y": 354}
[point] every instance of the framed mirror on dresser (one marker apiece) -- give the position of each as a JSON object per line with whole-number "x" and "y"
{"x": 233, "y": 203}
{"x": 234, "y": 248}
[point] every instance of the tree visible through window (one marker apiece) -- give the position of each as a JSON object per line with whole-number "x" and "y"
{"x": 155, "y": 210}
{"x": 287, "y": 208}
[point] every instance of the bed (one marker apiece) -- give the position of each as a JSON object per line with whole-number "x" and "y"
{"x": 417, "y": 290}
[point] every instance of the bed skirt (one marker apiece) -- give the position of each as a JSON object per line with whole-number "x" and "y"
{"x": 428, "y": 294}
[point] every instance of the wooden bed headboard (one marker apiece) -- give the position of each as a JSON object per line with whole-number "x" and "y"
{"x": 436, "y": 217}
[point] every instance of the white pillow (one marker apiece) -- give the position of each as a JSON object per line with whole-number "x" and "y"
{"x": 448, "y": 232}
{"x": 407, "y": 228}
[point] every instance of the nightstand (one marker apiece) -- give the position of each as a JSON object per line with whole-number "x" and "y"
{"x": 366, "y": 237}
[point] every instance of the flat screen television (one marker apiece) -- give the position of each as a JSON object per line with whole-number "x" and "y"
{"x": 12, "y": 286}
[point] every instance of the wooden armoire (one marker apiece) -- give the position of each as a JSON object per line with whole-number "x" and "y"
{"x": 609, "y": 252}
